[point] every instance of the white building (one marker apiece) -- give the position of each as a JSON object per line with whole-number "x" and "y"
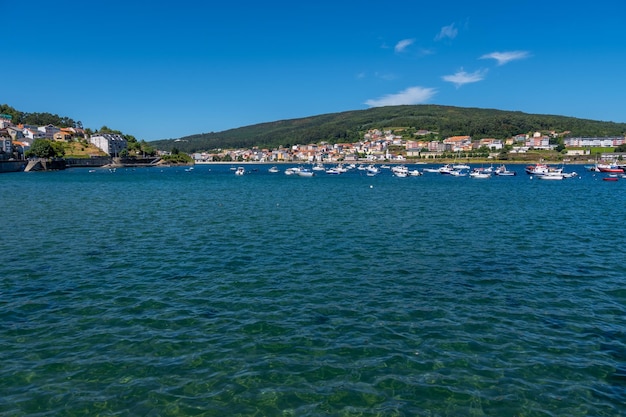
{"x": 110, "y": 143}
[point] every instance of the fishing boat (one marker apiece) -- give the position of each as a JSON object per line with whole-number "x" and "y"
{"x": 479, "y": 173}
{"x": 541, "y": 169}
{"x": 503, "y": 172}
{"x": 612, "y": 168}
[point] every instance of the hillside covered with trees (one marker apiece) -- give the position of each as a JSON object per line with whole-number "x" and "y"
{"x": 38, "y": 119}
{"x": 350, "y": 126}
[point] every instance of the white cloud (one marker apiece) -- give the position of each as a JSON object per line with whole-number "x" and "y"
{"x": 412, "y": 95}
{"x": 462, "y": 77}
{"x": 449, "y": 32}
{"x": 505, "y": 57}
{"x": 403, "y": 44}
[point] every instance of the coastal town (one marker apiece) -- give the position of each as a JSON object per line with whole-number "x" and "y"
{"x": 376, "y": 146}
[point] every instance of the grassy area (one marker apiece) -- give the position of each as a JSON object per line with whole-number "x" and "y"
{"x": 81, "y": 150}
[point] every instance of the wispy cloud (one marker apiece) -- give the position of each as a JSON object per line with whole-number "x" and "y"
{"x": 447, "y": 32}
{"x": 403, "y": 44}
{"x": 412, "y": 95}
{"x": 505, "y": 57}
{"x": 462, "y": 77}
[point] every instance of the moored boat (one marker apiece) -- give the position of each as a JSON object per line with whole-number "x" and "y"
{"x": 503, "y": 172}
{"x": 479, "y": 173}
{"x": 541, "y": 169}
{"x": 551, "y": 176}
{"x": 612, "y": 168}
{"x": 305, "y": 173}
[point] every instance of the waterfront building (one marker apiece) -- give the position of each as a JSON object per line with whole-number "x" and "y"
{"x": 110, "y": 143}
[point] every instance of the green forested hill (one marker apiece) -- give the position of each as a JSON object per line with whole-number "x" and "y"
{"x": 351, "y": 125}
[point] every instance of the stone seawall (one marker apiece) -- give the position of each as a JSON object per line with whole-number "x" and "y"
{"x": 87, "y": 162}
{"x": 12, "y": 166}
{"x": 45, "y": 165}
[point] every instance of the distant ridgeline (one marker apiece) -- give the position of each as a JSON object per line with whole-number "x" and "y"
{"x": 350, "y": 126}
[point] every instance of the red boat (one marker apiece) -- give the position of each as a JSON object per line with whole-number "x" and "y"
{"x": 611, "y": 168}
{"x": 609, "y": 179}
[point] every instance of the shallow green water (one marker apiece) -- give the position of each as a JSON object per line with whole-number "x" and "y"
{"x": 163, "y": 292}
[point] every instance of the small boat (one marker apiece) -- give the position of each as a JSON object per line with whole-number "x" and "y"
{"x": 610, "y": 178}
{"x": 372, "y": 170}
{"x": 319, "y": 167}
{"x": 541, "y": 169}
{"x": 415, "y": 173}
{"x": 303, "y": 172}
{"x": 479, "y": 173}
{"x": 457, "y": 173}
{"x": 551, "y": 176}
{"x": 612, "y": 168}
{"x": 240, "y": 171}
{"x": 273, "y": 169}
{"x": 292, "y": 171}
{"x": 503, "y": 172}
{"x": 400, "y": 171}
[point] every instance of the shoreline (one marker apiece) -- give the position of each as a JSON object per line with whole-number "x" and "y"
{"x": 406, "y": 162}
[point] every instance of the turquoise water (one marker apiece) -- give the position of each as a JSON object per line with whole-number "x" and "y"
{"x": 161, "y": 292}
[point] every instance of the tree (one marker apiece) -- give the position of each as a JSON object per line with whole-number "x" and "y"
{"x": 59, "y": 149}
{"x": 41, "y": 148}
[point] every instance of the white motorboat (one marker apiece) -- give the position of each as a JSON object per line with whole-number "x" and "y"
{"x": 503, "y": 172}
{"x": 400, "y": 171}
{"x": 552, "y": 175}
{"x": 372, "y": 170}
{"x": 478, "y": 173}
{"x": 240, "y": 171}
{"x": 305, "y": 173}
{"x": 292, "y": 171}
{"x": 273, "y": 169}
{"x": 457, "y": 173}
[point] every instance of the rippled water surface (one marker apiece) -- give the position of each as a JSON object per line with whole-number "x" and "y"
{"x": 161, "y": 292}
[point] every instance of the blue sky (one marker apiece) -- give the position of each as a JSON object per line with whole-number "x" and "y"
{"x": 159, "y": 70}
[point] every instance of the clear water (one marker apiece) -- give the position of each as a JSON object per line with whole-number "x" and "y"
{"x": 161, "y": 292}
